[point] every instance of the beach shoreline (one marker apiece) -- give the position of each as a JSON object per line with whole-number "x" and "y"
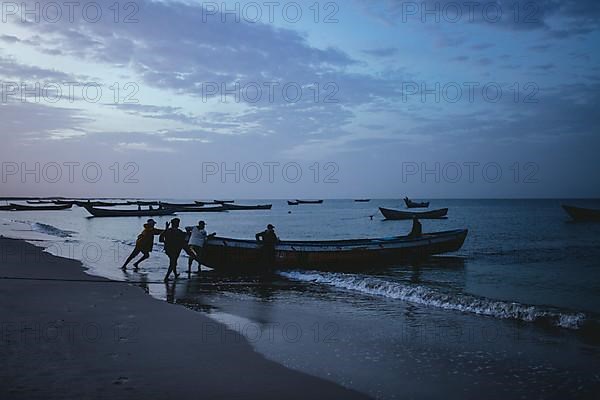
{"x": 66, "y": 334}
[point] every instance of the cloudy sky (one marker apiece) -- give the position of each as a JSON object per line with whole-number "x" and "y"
{"x": 354, "y": 98}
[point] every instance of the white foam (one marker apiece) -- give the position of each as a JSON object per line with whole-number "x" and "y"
{"x": 433, "y": 298}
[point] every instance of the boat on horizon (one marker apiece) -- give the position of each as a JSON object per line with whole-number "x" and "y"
{"x": 309, "y": 201}
{"x": 582, "y": 214}
{"x": 102, "y": 212}
{"x": 362, "y": 200}
{"x": 292, "y": 203}
{"x": 413, "y": 204}
{"x": 46, "y": 207}
{"x": 197, "y": 209}
{"x": 240, "y": 207}
{"x": 226, "y": 254}
{"x": 391, "y": 214}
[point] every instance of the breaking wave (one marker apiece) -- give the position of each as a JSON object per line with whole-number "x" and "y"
{"x": 50, "y": 230}
{"x": 430, "y": 297}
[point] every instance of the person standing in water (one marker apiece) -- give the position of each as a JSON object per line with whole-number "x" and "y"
{"x": 198, "y": 237}
{"x": 268, "y": 239}
{"x": 174, "y": 240}
{"x": 143, "y": 244}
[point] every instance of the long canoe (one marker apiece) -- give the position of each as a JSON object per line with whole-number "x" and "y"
{"x": 411, "y": 204}
{"x": 101, "y": 212}
{"x": 239, "y": 207}
{"x": 399, "y": 215}
{"x": 246, "y": 255}
{"x": 362, "y": 200}
{"x": 292, "y": 203}
{"x": 7, "y": 208}
{"x": 197, "y": 209}
{"x": 309, "y": 201}
{"x": 582, "y": 214}
{"x": 22, "y": 207}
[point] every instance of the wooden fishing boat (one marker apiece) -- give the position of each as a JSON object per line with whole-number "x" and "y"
{"x": 142, "y": 203}
{"x": 246, "y": 255}
{"x": 412, "y": 204}
{"x": 99, "y": 204}
{"x": 40, "y": 202}
{"x": 399, "y": 215}
{"x": 362, "y": 200}
{"x": 53, "y": 207}
{"x": 63, "y": 202}
{"x": 582, "y": 214}
{"x": 101, "y": 212}
{"x": 309, "y": 201}
{"x": 178, "y": 205}
{"x": 239, "y": 207}
{"x": 292, "y": 203}
{"x": 197, "y": 209}
{"x": 6, "y": 208}
{"x": 224, "y": 201}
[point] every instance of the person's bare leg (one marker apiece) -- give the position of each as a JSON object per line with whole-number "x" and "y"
{"x": 144, "y": 257}
{"x": 133, "y": 254}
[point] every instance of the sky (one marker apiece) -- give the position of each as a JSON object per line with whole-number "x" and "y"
{"x": 304, "y": 99}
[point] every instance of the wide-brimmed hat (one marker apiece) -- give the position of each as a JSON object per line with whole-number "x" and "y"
{"x": 270, "y": 226}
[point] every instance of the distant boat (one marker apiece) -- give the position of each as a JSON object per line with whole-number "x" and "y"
{"x": 40, "y": 202}
{"x": 197, "y": 209}
{"x": 309, "y": 201}
{"x": 292, "y": 203}
{"x": 99, "y": 203}
{"x": 234, "y": 254}
{"x": 400, "y": 215}
{"x": 411, "y": 204}
{"x": 101, "y": 212}
{"x": 143, "y": 203}
{"x": 22, "y": 207}
{"x": 177, "y": 205}
{"x": 224, "y": 201}
{"x": 362, "y": 200}
{"x": 239, "y": 207}
{"x": 582, "y": 214}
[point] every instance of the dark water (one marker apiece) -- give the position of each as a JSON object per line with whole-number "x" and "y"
{"x": 515, "y": 311}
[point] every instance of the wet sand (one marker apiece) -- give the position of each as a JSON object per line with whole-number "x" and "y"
{"x": 65, "y": 334}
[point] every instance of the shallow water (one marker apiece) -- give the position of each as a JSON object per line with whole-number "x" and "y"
{"x": 517, "y": 307}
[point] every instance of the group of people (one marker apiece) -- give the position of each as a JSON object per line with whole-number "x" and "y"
{"x": 192, "y": 241}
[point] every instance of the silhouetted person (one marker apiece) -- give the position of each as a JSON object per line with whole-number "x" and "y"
{"x": 417, "y": 228}
{"x": 268, "y": 239}
{"x": 198, "y": 238}
{"x": 143, "y": 244}
{"x": 174, "y": 240}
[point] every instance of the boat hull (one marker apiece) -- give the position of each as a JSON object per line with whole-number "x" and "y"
{"x": 390, "y": 214}
{"x": 309, "y": 201}
{"x": 245, "y": 255}
{"x": 582, "y": 214}
{"x": 20, "y": 207}
{"x": 237, "y": 207}
{"x": 112, "y": 213}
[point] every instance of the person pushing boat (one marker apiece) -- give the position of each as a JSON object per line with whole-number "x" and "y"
{"x": 198, "y": 238}
{"x": 268, "y": 239}
{"x": 143, "y": 244}
{"x": 175, "y": 241}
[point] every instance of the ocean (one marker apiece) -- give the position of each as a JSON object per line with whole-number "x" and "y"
{"x": 516, "y": 310}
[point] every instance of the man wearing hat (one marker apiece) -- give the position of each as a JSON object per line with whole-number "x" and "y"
{"x": 143, "y": 244}
{"x": 198, "y": 237}
{"x": 269, "y": 240}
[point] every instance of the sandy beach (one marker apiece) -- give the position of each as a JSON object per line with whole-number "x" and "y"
{"x": 66, "y": 334}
